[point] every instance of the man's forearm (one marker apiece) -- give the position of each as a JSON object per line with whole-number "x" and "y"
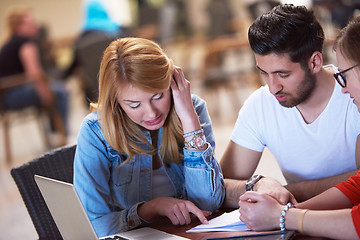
{"x": 308, "y": 189}
{"x": 234, "y": 189}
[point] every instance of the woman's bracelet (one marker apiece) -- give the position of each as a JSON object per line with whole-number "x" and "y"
{"x": 301, "y": 221}
{"x": 282, "y": 218}
{"x": 189, "y": 134}
{"x": 197, "y": 142}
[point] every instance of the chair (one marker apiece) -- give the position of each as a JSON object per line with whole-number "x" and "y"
{"x": 6, "y": 83}
{"x": 228, "y": 65}
{"x": 56, "y": 164}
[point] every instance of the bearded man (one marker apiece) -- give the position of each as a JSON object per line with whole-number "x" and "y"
{"x": 300, "y": 115}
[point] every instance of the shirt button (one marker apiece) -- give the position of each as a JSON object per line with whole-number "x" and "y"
{"x": 131, "y": 222}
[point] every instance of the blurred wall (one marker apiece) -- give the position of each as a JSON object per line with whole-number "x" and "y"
{"x": 63, "y": 18}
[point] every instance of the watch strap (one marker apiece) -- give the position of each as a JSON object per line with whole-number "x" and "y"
{"x": 252, "y": 181}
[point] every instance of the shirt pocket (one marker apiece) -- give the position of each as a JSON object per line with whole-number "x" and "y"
{"x": 122, "y": 175}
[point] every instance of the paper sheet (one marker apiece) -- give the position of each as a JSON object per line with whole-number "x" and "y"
{"x": 228, "y": 222}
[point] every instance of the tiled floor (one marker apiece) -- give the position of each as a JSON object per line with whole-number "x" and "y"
{"x": 15, "y": 223}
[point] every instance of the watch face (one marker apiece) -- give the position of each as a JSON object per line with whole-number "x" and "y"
{"x": 199, "y": 142}
{"x": 196, "y": 142}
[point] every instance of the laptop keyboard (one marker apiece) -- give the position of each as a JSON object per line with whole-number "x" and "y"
{"x": 115, "y": 237}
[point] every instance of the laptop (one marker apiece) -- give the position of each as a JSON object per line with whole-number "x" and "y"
{"x": 66, "y": 209}
{"x": 72, "y": 221}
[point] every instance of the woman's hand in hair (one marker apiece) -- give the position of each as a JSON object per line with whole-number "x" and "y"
{"x": 177, "y": 210}
{"x": 182, "y": 100}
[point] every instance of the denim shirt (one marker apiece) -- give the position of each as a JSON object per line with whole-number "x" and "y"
{"x": 111, "y": 193}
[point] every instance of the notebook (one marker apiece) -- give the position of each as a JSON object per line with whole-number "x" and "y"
{"x": 71, "y": 219}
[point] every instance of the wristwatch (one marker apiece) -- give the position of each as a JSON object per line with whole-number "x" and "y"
{"x": 197, "y": 142}
{"x": 252, "y": 181}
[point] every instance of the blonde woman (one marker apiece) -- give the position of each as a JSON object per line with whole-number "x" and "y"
{"x": 148, "y": 148}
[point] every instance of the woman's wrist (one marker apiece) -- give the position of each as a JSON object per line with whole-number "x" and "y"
{"x": 145, "y": 211}
{"x": 292, "y": 218}
{"x": 301, "y": 220}
{"x": 190, "y": 122}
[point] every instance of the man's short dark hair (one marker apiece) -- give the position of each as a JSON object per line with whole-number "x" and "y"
{"x": 287, "y": 29}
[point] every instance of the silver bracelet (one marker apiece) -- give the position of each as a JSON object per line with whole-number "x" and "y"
{"x": 189, "y": 134}
{"x": 282, "y": 218}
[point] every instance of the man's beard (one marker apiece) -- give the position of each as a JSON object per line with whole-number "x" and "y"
{"x": 304, "y": 91}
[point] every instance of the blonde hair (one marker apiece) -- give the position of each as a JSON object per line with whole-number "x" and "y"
{"x": 144, "y": 65}
{"x": 14, "y": 18}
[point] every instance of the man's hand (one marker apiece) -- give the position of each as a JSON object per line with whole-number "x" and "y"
{"x": 275, "y": 189}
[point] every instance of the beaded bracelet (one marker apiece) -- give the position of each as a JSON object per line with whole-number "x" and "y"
{"x": 282, "y": 218}
{"x": 193, "y": 133}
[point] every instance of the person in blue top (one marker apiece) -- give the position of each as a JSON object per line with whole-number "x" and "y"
{"x": 97, "y": 31}
{"x": 147, "y": 149}
{"x": 96, "y": 18}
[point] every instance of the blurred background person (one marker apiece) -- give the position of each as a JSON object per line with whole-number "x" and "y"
{"x": 19, "y": 56}
{"x": 98, "y": 29}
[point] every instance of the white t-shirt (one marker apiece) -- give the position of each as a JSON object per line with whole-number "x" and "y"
{"x": 324, "y": 148}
